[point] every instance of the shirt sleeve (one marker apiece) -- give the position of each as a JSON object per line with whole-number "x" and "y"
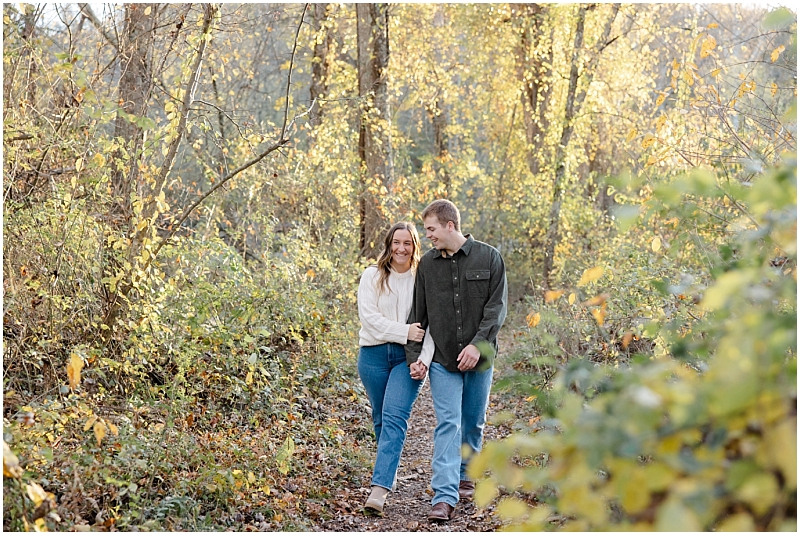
{"x": 426, "y": 356}
{"x": 418, "y": 314}
{"x": 372, "y": 319}
{"x": 495, "y": 309}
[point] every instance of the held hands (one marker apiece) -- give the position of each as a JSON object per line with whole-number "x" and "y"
{"x": 415, "y": 332}
{"x": 468, "y": 358}
{"x": 418, "y": 370}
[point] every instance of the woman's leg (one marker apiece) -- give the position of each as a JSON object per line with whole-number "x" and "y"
{"x": 401, "y": 392}
{"x": 374, "y": 369}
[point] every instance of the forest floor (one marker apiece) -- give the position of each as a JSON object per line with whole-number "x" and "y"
{"x": 407, "y": 508}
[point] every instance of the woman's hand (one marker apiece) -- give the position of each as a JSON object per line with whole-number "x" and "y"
{"x": 418, "y": 370}
{"x": 415, "y": 332}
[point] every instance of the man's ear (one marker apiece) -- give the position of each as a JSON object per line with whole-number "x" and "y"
{"x": 451, "y": 226}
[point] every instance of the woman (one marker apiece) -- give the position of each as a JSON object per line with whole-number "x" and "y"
{"x": 384, "y": 302}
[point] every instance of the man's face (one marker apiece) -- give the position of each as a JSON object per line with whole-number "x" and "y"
{"x": 436, "y": 232}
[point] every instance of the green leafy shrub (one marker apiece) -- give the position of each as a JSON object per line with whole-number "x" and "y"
{"x": 700, "y": 435}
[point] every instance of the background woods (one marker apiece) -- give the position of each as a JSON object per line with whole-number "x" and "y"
{"x": 191, "y": 191}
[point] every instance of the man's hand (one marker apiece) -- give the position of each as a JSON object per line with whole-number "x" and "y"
{"x": 468, "y": 358}
{"x": 415, "y": 332}
{"x": 418, "y": 370}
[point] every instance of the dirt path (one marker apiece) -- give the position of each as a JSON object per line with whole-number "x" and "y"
{"x": 407, "y": 508}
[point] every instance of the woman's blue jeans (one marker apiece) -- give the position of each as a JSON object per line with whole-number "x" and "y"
{"x": 391, "y": 392}
{"x": 460, "y": 400}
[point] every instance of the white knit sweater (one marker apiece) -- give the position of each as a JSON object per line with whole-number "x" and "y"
{"x": 383, "y": 316}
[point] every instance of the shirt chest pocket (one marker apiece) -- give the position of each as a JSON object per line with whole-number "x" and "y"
{"x": 478, "y": 283}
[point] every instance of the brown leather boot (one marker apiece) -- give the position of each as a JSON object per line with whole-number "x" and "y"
{"x": 441, "y": 512}
{"x": 466, "y": 489}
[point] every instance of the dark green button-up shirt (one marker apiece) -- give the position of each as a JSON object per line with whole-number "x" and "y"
{"x": 463, "y": 300}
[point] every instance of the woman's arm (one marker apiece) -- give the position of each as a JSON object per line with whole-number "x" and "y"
{"x": 373, "y": 322}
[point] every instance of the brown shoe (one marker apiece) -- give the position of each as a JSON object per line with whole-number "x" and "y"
{"x": 466, "y": 489}
{"x": 441, "y": 512}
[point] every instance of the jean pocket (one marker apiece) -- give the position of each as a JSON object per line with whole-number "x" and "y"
{"x": 478, "y": 283}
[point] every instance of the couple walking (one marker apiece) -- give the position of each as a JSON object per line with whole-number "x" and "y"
{"x": 434, "y": 315}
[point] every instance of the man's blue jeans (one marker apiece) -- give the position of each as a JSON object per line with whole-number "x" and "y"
{"x": 460, "y": 400}
{"x": 391, "y": 392}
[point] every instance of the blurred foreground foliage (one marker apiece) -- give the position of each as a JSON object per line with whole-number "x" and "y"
{"x": 699, "y": 433}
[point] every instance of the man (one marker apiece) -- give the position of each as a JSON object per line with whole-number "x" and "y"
{"x": 460, "y": 295}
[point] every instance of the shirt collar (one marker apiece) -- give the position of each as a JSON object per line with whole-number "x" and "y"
{"x": 466, "y": 248}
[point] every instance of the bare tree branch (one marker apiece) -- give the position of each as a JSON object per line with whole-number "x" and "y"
{"x": 291, "y": 68}
{"x": 283, "y": 140}
{"x": 188, "y": 98}
{"x": 86, "y": 9}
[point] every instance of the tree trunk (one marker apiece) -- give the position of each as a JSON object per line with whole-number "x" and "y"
{"x": 319, "y": 63}
{"x": 534, "y": 59}
{"x": 375, "y": 142}
{"x": 135, "y": 84}
{"x": 438, "y": 117}
{"x": 573, "y": 106}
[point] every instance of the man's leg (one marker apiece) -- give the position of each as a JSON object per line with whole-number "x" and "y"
{"x": 446, "y": 390}
{"x": 477, "y": 386}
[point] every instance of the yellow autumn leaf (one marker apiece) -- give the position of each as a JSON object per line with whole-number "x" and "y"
{"x": 660, "y": 122}
{"x": 596, "y": 300}
{"x": 552, "y": 295}
{"x": 716, "y": 72}
{"x": 36, "y": 493}
{"x": 652, "y": 160}
{"x": 599, "y": 315}
{"x": 310, "y": 274}
{"x": 590, "y": 275}
{"x": 661, "y": 98}
{"x": 688, "y": 77}
{"x": 776, "y": 53}
{"x": 631, "y": 134}
{"x": 74, "y": 368}
{"x": 571, "y": 298}
{"x": 112, "y": 428}
{"x": 510, "y": 508}
{"x": 78, "y": 165}
{"x": 655, "y": 245}
{"x": 712, "y": 26}
{"x": 251, "y": 477}
{"x": 648, "y": 141}
{"x": 99, "y": 431}
{"x": 708, "y": 45}
{"x": 626, "y": 339}
{"x": 99, "y": 159}
{"x": 11, "y": 467}
{"x": 249, "y": 378}
{"x": 89, "y": 423}
{"x": 533, "y": 319}
{"x": 147, "y": 11}
{"x": 773, "y": 90}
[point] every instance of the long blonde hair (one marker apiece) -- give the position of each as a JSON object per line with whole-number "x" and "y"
{"x": 385, "y": 259}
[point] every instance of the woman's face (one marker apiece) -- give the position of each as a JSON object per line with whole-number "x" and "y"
{"x": 402, "y": 249}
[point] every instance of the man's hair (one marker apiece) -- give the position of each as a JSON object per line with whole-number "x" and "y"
{"x": 444, "y": 211}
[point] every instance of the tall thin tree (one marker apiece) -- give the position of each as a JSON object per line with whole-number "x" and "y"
{"x": 375, "y": 140}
